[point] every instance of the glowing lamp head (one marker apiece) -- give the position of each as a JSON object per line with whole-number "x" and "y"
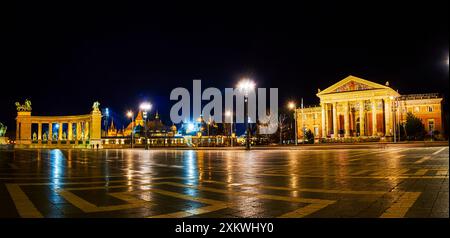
{"x": 129, "y": 114}
{"x": 246, "y": 85}
{"x": 291, "y": 105}
{"x": 190, "y": 127}
{"x": 228, "y": 113}
{"x": 145, "y": 106}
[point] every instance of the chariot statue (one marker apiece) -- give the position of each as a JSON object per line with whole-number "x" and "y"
{"x": 44, "y": 136}
{"x": 96, "y": 106}
{"x": 34, "y": 136}
{"x": 26, "y": 107}
{"x": 64, "y": 136}
{"x": 2, "y": 129}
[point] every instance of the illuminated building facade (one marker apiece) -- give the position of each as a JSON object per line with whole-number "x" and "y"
{"x": 158, "y": 134}
{"x": 57, "y": 131}
{"x": 355, "y": 107}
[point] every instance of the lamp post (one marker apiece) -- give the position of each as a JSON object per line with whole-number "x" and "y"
{"x": 130, "y": 115}
{"x": 145, "y": 107}
{"x": 229, "y": 114}
{"x": 292, "y": 106}
{"x": 105, "y": 122}
{"x": 246, "y": 85}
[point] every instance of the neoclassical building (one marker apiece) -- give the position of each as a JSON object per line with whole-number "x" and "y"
{"x": 355, "y": 107}
{"x": 57, "y": 131}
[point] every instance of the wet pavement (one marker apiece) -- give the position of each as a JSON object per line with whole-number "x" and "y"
{"x": 333, "y": 183}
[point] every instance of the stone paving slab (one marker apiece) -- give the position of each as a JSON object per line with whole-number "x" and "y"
{"x": 388, "y": 182}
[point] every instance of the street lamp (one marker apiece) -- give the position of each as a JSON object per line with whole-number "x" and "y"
{"x": 145, "y": 108}
{"x": 246, "y": 86}
{"x": 131, "y": 115}
{"x": 292, "y": 106}
{"x": 106, "y": 121}
{"x": 229, "y": 114}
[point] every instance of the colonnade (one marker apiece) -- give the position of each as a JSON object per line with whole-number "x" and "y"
{"x": 360, "y": 117}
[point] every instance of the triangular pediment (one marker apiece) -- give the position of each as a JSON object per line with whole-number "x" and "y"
{"x": 350, "y": 84}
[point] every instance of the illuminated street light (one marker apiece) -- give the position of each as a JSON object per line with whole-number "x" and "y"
{"x": 131, "y": 115}
{"x": 246, "y": 86}
{"x": 105, "y": 122}
{"x": 292, "y": 106}
{"x": 145, "y": 107}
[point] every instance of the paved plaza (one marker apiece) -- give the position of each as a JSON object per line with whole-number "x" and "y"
{"x": 288, "y": 183}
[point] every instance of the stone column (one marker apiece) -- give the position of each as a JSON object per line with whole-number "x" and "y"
{"x": 78, "y": 130}
{"x": 346, "y": 120}
{"x": 18, "y": 130}
{"x": 50, "y": 131}
{"x": 69, "y": 131}
{"x": 362, "y": 118}
{"x": 387, "y": 117}
{"x": 374, "y": 117}
{"x": 86, "y": 130}
{"x": 324, "y": 124}
{"x": 60, "y": 131}
{"x": 335, "y": 132}
{"x": 39, "y": 131}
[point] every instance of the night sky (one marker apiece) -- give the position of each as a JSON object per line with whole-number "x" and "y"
{"x": 65, "y": 57}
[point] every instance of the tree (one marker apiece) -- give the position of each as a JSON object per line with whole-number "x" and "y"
{"x": 309, "y": 137}
{"x": 414, "y": 127}
{"x": 281, "y": 126}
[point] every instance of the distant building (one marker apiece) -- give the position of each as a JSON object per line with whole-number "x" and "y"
{"x": 355, "y": 107}
{"x": 158, "y": 134}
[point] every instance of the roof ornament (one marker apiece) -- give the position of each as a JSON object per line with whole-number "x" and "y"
{"x": 387, "y": 83}
{"x": 26, "y": 107}
{"x": 95, "y": 106}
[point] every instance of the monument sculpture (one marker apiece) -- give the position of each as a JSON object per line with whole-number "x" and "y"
{"x": 26, "y": 107}
{"x": 71, "y": 130}
{"x": 3, "y": 139}
{"x": 2, "y": 129}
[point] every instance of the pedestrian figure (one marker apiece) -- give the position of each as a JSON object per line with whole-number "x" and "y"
{"x": 97, "y": 146}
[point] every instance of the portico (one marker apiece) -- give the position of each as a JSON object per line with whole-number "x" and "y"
{"x": 357, "y": 107}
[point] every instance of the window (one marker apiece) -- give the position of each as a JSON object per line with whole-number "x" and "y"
{"x": 416, "y": 109}
{"x": 429, "y": 109}
{"x": 430, "y": 124}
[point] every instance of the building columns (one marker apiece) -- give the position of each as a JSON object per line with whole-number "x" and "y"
{"x": 39, "y": 131}
{"x": 388, "y": 117}
{"x": 50, "y": 131}
{"x": 78, "y": 131}
{"x": 86, "y": 130}
{"x": 346, "y": 120}
{"x": 324, "y": 124}
{"x": 60, "y": 130}
{"x": 362, "y": 118}
{"x": 335, "y": 132}
{"x": 374, "y": 117}
{"x": 69, "y": 131}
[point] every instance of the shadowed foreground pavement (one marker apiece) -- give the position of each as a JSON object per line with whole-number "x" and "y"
{"x": 381, "y": 182}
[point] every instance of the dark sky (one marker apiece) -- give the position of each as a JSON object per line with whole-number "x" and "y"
{"x": 64, "y": 57}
